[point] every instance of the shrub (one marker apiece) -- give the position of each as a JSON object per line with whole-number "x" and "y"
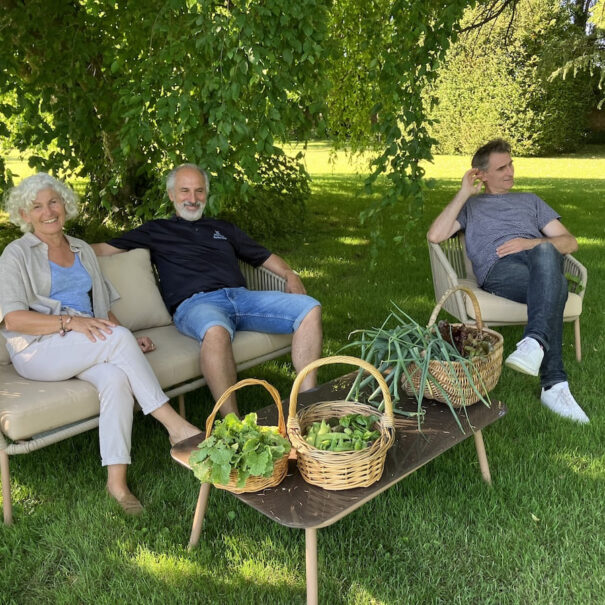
{"x": 274, "y": 208}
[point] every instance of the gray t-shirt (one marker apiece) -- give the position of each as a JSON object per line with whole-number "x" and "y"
{"x": 489, "y": 220}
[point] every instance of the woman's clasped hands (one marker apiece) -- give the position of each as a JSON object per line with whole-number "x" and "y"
{"x": 92, "y": 327}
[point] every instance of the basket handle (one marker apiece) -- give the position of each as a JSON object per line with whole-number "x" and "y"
{"x": 281, "y": 424}
{"x": 447, "y": 294}
{"x": 388, "y": 405}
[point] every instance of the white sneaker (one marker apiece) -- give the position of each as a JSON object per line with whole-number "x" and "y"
{"x": 561, "y": 401}
{"x": 527, "y": 358}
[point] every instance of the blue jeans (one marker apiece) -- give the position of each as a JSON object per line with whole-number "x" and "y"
{"x": 234, "y": 309}
{"x": 535, "y": 277}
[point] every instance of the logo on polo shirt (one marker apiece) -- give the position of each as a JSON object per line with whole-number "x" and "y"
{"x": 218, "y": 235}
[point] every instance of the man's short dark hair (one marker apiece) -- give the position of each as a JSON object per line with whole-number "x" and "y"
{"x": 480, "y": 160}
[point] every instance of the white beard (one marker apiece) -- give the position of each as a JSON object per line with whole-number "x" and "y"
{"x": 189, "y": 215}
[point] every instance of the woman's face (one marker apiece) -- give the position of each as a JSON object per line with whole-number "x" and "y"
{"x": 47, "y": 213}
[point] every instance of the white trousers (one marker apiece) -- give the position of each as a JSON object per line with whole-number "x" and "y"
{"x": 116, "y": 367}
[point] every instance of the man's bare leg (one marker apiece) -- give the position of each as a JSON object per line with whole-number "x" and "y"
{"x": 218, "y": 366}
{"x": 306, "y": 346}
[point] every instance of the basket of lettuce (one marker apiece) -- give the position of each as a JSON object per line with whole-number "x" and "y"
{"x": 239, "y": 455}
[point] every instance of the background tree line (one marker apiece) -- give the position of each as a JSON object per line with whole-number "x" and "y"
{"x": 515, "y": 78}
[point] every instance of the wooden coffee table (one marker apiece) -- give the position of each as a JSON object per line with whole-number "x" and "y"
{"x": 295, "y": 503}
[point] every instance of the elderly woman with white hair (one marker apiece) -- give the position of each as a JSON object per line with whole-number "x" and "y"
{"x": 55, "y": 306}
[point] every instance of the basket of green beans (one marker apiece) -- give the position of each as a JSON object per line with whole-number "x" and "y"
{"x": 341, "y": 444}
{"x": 351, "y": 432}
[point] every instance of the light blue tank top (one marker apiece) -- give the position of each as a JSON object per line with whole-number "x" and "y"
{"x": 71, "y": 286}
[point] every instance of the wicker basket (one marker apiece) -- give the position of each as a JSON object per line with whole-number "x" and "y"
{"x": 254, "y": 483}
{"x": 340, "y": 470}
{"x": 451, "y": 376}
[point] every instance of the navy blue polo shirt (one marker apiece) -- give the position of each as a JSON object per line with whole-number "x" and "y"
{"x": 194, "y": 256}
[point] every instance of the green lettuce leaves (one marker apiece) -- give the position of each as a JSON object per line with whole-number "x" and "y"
{"x": 238, "y": 445}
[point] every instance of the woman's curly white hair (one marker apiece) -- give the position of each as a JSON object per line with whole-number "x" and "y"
{"x": 21, "y": 198}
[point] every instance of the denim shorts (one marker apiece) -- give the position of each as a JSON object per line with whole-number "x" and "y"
{"x": 235, "y": 309}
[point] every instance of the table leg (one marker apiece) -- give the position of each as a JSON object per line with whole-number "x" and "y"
{"x": 483, "y": 465}
{"x": 198, "y": 517}
{"x": 311, "y": 560}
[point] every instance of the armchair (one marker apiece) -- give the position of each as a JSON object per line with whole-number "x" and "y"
{"x": 451, "y": 267}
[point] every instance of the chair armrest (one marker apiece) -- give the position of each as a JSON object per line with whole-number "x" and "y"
{"x": 575, "y": 268}
{"x": 260, "y": 278}
{"x": 444, "y": 278}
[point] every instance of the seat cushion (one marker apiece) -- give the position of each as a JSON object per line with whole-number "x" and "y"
{"x": 497, "y": 310}
{"x": 176, "y": 358}
{"x": 140, "y": 305}
{"x": 29, "y": 407}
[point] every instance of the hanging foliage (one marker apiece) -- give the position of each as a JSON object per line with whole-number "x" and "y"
{"x": 386, "y": 53}
{"x": 116, "y": 92}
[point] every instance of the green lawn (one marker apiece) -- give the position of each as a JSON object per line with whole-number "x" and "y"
{"x": 441, "y": 536}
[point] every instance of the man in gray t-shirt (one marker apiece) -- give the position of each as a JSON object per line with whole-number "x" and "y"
{"x": 516, "y": 244}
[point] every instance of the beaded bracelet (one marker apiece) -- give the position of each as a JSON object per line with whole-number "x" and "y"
{"x": 63, "y": 329}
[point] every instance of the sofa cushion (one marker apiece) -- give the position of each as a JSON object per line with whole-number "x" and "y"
{"x": 140, "y": 305}
{"x": 176, "y": 358}
{"x": 495, "y": 308}
{"x": 29, "y": 407}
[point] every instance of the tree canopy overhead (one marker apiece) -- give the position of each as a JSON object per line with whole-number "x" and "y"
{"x": 118, "y": 91}
{"x": 586, "y": 54}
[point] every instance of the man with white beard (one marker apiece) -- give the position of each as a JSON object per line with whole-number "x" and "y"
{"x": 197, "y": 262}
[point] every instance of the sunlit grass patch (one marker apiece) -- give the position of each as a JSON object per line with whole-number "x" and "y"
{"x": 591, "y": 242}
{"x": 168, "y": 568}
{"x": 353, "y": 241}
{"x": 592, "y": 466}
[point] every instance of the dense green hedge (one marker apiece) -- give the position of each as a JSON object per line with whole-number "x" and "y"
{"x": 496, "y": 82}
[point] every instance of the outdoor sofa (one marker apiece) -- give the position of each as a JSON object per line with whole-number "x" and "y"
{"x": 34, "y": 414}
